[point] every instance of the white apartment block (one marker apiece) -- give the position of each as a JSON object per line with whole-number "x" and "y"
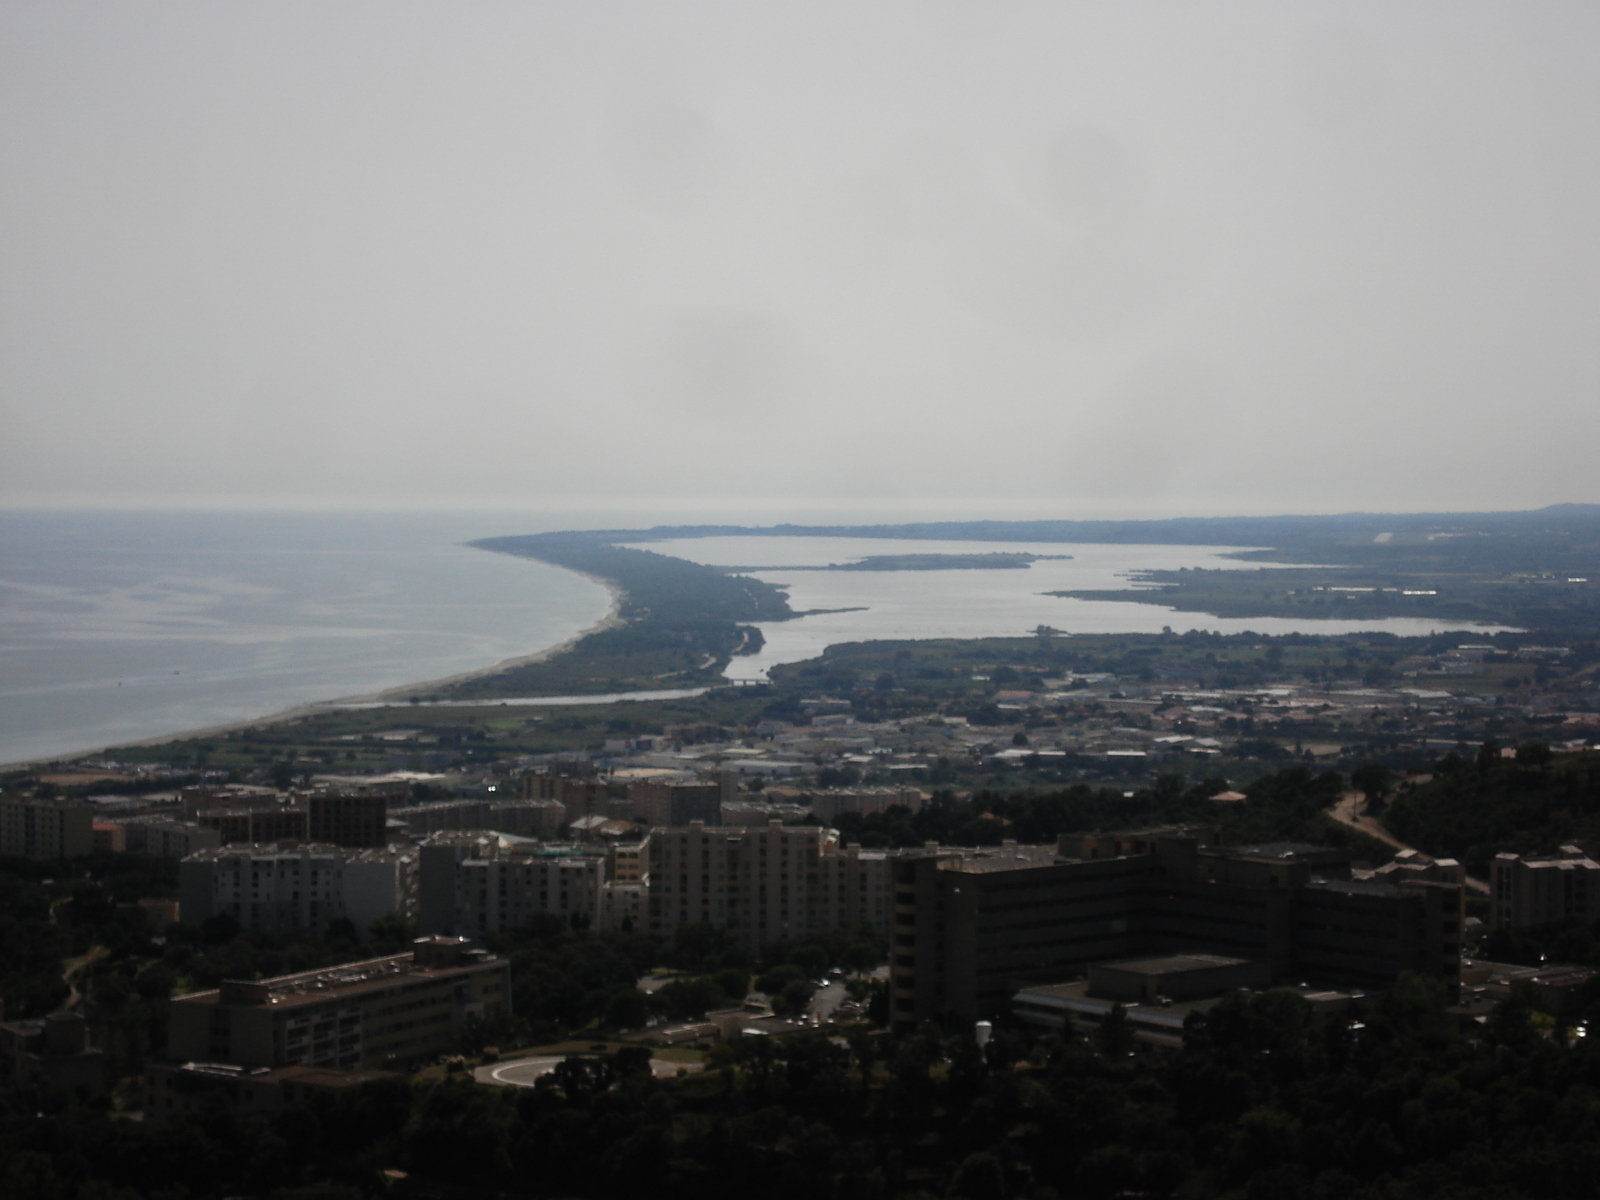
{"x": 294, "y": 887}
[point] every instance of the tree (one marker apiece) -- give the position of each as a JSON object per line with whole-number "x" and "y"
{"x": 1374, "y": 781}
{"x": 1533, "y": 754}
{"x": 1115, "y": 1035}
{"x": 794, "y": 999}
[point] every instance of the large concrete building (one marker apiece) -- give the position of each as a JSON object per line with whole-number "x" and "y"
{"x": 660, "y": 804}
{"x": 294, "y": 886}
{"x": 972, "y": 927}
{"x": 539, "y": 818}
{"x": 166, "y": 838}
{"x": 764, "y": 884}
{"x": 347, "y": 818}
{"x": 471, "y": 883}
{"x": 45, "y": 828}
{"x": 1540, "y": 889}
{"x": 390, "y": 1012}
{"x": 830, "y": 803}
{"x": 53, "y": 1051}
{"x": 253, "y": 826}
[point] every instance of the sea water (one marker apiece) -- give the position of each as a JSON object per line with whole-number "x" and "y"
{"x": 115, "y": 627}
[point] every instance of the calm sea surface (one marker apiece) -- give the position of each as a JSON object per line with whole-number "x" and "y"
{"x": 117, "y": 627}
{"x": 965, "y": 604}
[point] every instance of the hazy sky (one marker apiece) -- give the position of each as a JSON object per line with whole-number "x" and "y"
{"x": 1042, "y": 259}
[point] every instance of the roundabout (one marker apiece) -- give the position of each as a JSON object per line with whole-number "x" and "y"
{"x": 524, "y": 1072}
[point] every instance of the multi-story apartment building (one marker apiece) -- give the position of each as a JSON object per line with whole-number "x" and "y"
{"x": 1539, "y": 889}
{"x": 476, "y": 883}
{"x": 45, "y": 828}
{"x": 347, "y": 818}
{"x": 166, "y": 838}
{"x": 389, "y": 1012}
{"x": 258, "y": 825}
{"x": 294, "y": 887}
{"x": 539, "y": 818}
{"x": 763, "y": 884}
{"x": 579, "y": 796}
{"x": 972, "y": 927}
{"x": 662, "y": 803}
{"x": 760, "y": 884}
{"x": 831, "y": 802}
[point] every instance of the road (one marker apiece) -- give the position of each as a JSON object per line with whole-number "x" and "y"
{"x": 1350, "y": 811}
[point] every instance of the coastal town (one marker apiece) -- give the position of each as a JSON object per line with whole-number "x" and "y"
{"x": 1112, "y": 846}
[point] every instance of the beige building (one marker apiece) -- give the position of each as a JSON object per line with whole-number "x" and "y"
{"x": 45, "y": 828}
{"x": 471, "y": 883}
{"x": 391, "y": 1012}
{"x": 829, "y": 804}
{"x": 166, "y": 838}
{"x": 1538, "y": 889}
{"x": 764, "y": 884}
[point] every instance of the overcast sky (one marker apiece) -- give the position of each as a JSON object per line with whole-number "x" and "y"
{"x": 924, "y": 258}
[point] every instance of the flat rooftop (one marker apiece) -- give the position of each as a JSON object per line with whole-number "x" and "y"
{"x": 1171, "y": 964}
{"x": 346, "y": 980}
{"x": 1001, "y": 858}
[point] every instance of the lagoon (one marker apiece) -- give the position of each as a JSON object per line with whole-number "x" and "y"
{"x": 978, "y": 603}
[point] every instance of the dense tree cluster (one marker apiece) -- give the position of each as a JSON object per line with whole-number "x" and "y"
{"x": 1288, "y": 805}
{"x": 1267, "y": 1099}
{"x": 565, "y": 979}
{"x": 1472, "y": 810}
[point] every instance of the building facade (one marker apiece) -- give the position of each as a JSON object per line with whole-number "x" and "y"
{"x": 254, "y": 826}
{"x": 347, "y": 818}
{"x": 471, "y": 883}
{"x": 166, "y": 838}
{"x": 294, "y": 887}
{"x": 386, "y": 1013}
{"x": 764, "y": 884}
{"x": 973, "y": 927}
{"x": 1539, "y": 889}
{"x": 32, "y": 828}
{"x": 669, "y": 803}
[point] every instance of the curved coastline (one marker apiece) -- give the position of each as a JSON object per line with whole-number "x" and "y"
{"x": 395, "y": 695}
{"x": 404, "y": 692}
